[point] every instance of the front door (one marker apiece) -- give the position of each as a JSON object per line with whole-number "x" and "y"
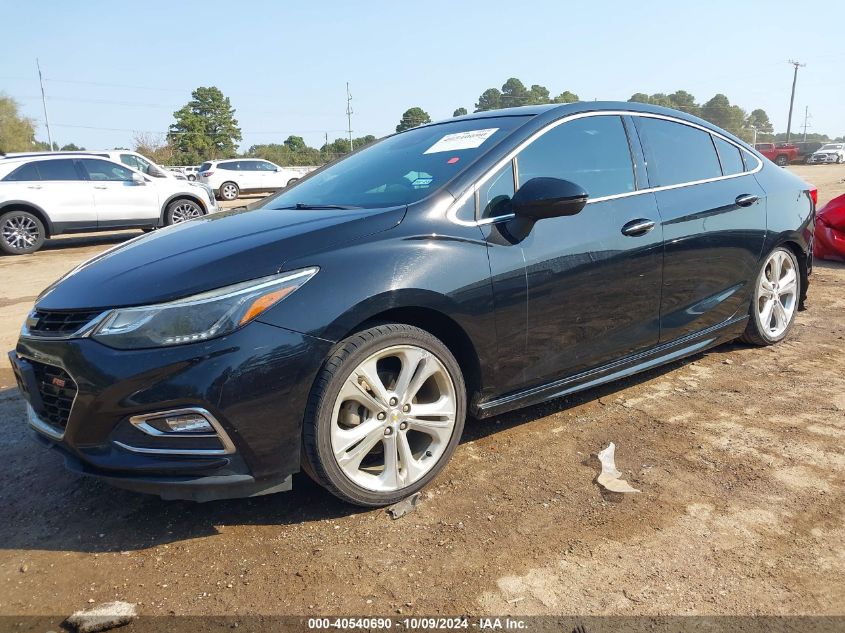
{"x": 120, "y": 200}
{"x": 575, "y": 292}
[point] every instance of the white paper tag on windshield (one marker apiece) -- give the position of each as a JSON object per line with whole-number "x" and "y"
{"x": 461, "y": 140}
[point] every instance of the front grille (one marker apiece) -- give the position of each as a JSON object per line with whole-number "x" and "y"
{"x": 57, "y": 324}
{"x": 57, "y": 390}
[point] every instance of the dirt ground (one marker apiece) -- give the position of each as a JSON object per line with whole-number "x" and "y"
{"x": 738, "y": 453}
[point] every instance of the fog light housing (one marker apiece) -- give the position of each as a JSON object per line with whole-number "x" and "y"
{"x": 181, "y": 423}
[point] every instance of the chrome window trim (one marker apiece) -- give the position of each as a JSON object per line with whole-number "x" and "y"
{"x": 140, "y": 422}
{"x": 451, "y": 212}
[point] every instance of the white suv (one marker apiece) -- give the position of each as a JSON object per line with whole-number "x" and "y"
{"x": 48, "y": 195}
{"x": 230, "y": 178}
{"x": 127, "y": 157}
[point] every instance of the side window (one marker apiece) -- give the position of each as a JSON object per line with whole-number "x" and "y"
{"x": 730, "y": 157}
{"x": 263, "y": 165}
{"x": 494, "y": 196}
{"x": 751, "y": 161}
{"x": 233, "y": 166}
{"x": 130, "y": 161}
{"x": 103, "y": 170}
{"x": 26, "y": 172}
{"x": 57, "y": 170}
{"x": 592, "y": 152}
{"x": 677, "y": 153}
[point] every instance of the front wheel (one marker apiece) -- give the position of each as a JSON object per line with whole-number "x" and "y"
{"x": 21, "y": 233}
{"x": 384, "y": 415}
{"x": 180, "y": 211}
{"x": 775, "y": 303}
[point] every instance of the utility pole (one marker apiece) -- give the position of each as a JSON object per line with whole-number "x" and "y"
{"x": 797, "y": 65}
{"x": 806, "y": 120}
{"x": 44, "y": 102}
{"x": 349, "y": 115}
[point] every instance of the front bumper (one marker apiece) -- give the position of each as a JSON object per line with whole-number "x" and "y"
{"x": 254, "y": 383}
{"x": 822, "y": 159}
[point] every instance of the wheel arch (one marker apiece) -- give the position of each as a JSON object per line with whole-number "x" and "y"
{"x": 21, "y": 205}
{"x": 804, "y": 266}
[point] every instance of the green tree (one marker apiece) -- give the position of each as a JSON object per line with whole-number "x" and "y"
{"x": 17, "y": 133}
{"x": 459, "y": 112}
{"x": 639, "y": 97}
{"x": 759, "y": 119}
{"x": 205, "y": 127}
{"x": 295, "y": 143}
{"x": 685, "y": 102}
{"x": 412, "y": 118}
{"x": 538, "y": 95}
{"x": 490, "y": 99}
{"x": 720, "y": 112}
{"x": 514, "y": 93}
{"x": 566, "y": 97}
{"x": 72, "y": 147}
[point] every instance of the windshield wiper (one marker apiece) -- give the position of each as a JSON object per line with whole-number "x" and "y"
{"x": 307, "y": 207}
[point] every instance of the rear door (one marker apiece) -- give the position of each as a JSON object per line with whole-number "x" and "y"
{"x": 592, "y": 286}
{"x": 61, "y": 190}
{"x": 714, "y": 223}
{"x": 118, "y": 198}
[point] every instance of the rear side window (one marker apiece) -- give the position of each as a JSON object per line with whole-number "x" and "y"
{"x": 677, "y": 153}
{"x": 103, "y": 170}
{"x": 205, "y": 167}
{"x": 592, "y": 152}
{"x": 730, "y": 157}
{"x": 26, "y": 172}
{"x": 57, "y": 170}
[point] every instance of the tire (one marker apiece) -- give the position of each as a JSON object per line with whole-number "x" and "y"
{"x": 228, "y": 191}
{"x": 182, "y": 210}
{"x": 191, "y": 177}
{"x": 291, "y": 181}
{"x": 336, "y": 416}
{"x": 21, "y": 233}
{"x": 778, "y": 281}
{"x": 782, "y": 160}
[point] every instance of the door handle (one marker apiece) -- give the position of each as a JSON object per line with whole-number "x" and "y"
{"x": 100, "y": 187}
{"x": 33, "y": 186}
{"x": 746, "y": 199}
{"x": 638, "y": 227}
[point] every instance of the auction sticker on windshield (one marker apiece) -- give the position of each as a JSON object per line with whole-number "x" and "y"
{"x": 461, "y": 140}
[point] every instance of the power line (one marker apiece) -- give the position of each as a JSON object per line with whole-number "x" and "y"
{"x": 349, "y": 115}
{"x": 44, "y": 102}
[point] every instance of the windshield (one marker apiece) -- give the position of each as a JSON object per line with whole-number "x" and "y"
{"x": 832, "y": 146}
{"x": 400, "y": 169}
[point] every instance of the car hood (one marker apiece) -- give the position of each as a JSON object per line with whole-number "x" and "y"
{"x": 827, "y": 151}
{"x": 207, "y": 253}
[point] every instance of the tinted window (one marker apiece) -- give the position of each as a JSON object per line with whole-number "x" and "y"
{"x": 235, "y": 166}
{"x": 57, "y": 170}
{"x": 262, "y": 165}
{"x": 129, "y": 160}
{"x": 678, "y": 153}
{"x": 592, "y": 152}
{"x": 402, "y": 168}
{"x": 730, "y": 156}
{"x": 205, "y": 167}
{"x": 494, "y": 196}
{"x": 24, "y": 172}
{"x": 105, "y": 170}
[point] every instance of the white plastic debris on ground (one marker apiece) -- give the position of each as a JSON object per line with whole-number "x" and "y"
{"x": 609, "y": 477}
{"x": 103, "y": 617}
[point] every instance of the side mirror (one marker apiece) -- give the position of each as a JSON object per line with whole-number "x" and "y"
{"x": 542, "y": 198}
{"x": 138, "y": 179}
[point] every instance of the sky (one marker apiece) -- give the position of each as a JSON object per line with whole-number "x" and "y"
{"x": 112, "y": 69}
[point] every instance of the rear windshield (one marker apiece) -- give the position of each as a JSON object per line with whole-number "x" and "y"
{"x": 205, "y": 167}
{"x": 401, "y": 169}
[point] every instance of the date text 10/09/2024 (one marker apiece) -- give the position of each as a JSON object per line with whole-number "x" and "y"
{"x": 417, "y": 623}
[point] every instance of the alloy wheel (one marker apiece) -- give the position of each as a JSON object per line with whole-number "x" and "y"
{"x": 393, "y": 418}
{"x": 229, "y": 191}
{"x": 185, "y": 211}
{"x": 777, "y": 294}
{"x": 20, "y": 232}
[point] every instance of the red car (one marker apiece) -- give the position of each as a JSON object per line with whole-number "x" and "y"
{"x": 829, "y": 241}
{"x": 779, "y": 153}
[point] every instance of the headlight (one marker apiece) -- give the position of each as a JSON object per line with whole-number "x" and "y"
{"x": 199, "y": 317}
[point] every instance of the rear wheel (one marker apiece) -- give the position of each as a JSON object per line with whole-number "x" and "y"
{"x": 21, "y": 233}
{"x": 782, "y": 160}
{"x": 384, "y": 416}
{"x": 191, "y": 177}
{"x": 775, "y": 301}
{"x": 229, "y": 191}
{"x": 181, "y": 211}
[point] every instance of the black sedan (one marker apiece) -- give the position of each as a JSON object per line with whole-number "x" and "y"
{"x": 348, "y": 325}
